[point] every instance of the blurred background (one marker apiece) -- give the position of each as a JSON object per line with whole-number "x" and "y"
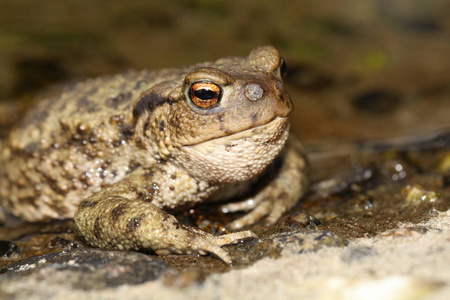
{"x": 357, "y": 70}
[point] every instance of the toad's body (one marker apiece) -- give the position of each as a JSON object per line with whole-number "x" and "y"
{"x": 119, "y": 153}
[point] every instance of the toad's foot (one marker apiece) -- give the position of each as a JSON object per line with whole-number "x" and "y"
{"x": 195, "y": 240}
{"x": 122, "y": 223}
{"x": 280, "y": 195}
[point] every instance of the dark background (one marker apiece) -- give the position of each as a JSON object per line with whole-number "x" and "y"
{"x": 358, "y": 70}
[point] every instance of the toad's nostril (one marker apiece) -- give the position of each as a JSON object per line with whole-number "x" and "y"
{"x": 253, "y": 92}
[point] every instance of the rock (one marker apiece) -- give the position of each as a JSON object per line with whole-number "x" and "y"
{"x": 356, "y": 254}
{"x": 7, "y": 248}
{"x": 86, "y": 269}
{"x": 298, "y": 242}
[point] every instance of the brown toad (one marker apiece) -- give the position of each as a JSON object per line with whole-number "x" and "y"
{"x": 119, "y": 154}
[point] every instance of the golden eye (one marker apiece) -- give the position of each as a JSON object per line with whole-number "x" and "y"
{"x": 205, "y": 94}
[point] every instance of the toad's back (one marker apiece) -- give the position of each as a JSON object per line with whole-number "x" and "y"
{"x": 67, "y": 147}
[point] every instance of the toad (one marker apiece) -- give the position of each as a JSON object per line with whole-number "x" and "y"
{"x": 121, "y": 154}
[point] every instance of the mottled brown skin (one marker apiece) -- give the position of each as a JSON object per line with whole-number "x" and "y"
{"x": 119, "y": 154}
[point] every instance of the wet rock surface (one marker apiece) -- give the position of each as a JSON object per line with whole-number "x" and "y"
{"x": 86, "y": 269}
{"x": 7, "y": 249}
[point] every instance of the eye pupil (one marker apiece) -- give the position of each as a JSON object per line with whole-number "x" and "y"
{"x": 205, "y": 94}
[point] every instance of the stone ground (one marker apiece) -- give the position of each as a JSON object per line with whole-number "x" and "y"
{"x": 407, "y": 263}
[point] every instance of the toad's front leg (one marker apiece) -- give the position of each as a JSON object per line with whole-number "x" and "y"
{"x": 122, "y": 217}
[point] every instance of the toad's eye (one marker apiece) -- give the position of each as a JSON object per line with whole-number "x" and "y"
{"x": 283, "y": 68}
{"x": 205, "y": 94}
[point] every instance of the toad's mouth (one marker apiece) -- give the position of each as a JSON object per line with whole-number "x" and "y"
{"x": 275, "y": 128}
